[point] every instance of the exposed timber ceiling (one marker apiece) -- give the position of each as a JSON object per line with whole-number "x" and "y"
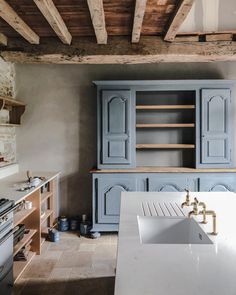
{"x": 62, "y": 30}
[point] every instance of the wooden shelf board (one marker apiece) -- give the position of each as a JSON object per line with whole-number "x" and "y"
{"x": 11, "y": 101}
{"x": 24, "y": 241}
{"x": 21, "y": 215}
{"x": 45, "y": 217}
{"x": 9, "y": 125}
{"x": 153, "y": 169}
{"x": 187, "y": 125}
{"x": 164, "y": 107}
{"x": 164, "y": 146}
{"x": 20, "y": 266}
{"x": 45, "y": 196}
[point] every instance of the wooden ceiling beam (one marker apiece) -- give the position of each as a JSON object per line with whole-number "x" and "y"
{"x": 17, "y": 23}
{"x": 119, "y": 50}
{"x": 178, "y": 18}
{"x": 98, "y": 20}
{"x": 52, "y": 15}
{"x": 140, "y": 7}
{"x": 3, "y": 40}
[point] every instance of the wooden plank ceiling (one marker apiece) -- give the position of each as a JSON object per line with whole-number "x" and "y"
{"x": 119, "y": 15}
{"x": 96, "y": 31}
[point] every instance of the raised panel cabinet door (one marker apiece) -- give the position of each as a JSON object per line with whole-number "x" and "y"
{"x": 116, "y": 125}
{"x": 215, "y": 127}
{"x": 109, "y": 196}
{"x": 168, "y": 184}
{"x": 218, "y": 183}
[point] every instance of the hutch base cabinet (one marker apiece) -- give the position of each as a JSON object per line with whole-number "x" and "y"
{"x": 107, "y": 188}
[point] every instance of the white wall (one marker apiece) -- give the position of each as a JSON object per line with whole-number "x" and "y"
{"x": 59, "y": 126}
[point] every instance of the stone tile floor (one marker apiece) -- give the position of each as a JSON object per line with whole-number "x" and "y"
{"x": 74, "y": 265}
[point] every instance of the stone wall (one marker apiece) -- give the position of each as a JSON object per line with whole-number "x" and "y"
{"x": 7, "y": 134}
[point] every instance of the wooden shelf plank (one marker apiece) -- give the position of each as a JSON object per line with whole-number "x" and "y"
{"x": 164, "y": 107}
{"x": 45, "y": 217}
{"x": 45, "y": 196}
{"x": 9, "y": 125}
{"x": 164, "y": 146}
{"x": 21, "y": 215}
{"x": 20, "y": 266}
{"x": 24, "y": 241}
{"x": 187, "y": 125}
{"x": 11, "y": 101}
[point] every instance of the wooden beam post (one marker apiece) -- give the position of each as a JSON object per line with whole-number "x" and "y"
{"x": 52, "y": 15}
{"x": 139, "y": 12}
{"x": 12, "y": 18}
{"x": 178, "y": 18}
{"x": 3, "y": 39}
{"x": 98, "y": 20}
{"x": 119, "y": 50}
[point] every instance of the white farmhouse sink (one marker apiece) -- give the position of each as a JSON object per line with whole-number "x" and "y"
{"x": 171, "y": 230}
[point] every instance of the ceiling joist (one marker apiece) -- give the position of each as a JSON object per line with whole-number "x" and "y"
{"x": 98, "y": 20}
{"x": 119, "y": 50}
{"x": 17, "y": 23}
{"x": 140, "y": 7}
{"x": 178, "y": 18}
{"x": 3, "y": 40}
{"x": 52, "y": 15}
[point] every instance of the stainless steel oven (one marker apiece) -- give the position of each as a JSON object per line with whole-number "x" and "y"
{"x": 6, "y": 253}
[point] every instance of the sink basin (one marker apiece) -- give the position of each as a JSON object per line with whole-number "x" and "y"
{"x": 171, "y": 230}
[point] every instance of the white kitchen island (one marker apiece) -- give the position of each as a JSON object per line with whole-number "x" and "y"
{"x": 178, "y": 269}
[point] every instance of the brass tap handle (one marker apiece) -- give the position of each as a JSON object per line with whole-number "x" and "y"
{"x": 187, "y": 200}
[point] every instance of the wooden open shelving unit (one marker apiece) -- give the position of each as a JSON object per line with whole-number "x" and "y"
{"x": 37, "y": 226}
{"x": 165, "y": 125}
{"x": 16, "y": 109}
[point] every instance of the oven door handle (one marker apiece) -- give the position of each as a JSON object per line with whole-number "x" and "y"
{"x": 7, "y": 236}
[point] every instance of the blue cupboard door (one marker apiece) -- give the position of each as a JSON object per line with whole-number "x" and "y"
{"x": 218, "y": 183}
{"x": 215, "y": 134}
{"x": 116, "y": 125}
{"x": 109, "y": 196}
{"x": 167, "y": 184}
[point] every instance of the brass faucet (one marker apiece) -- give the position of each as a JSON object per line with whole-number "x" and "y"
{"x": 204, "y": 213}
{"x": 213, "y": 214}
{"x": 195, "y": 208}
{"x": 187, "y": 201}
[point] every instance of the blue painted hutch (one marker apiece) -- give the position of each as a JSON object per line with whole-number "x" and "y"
{"x": 168, "y": 135}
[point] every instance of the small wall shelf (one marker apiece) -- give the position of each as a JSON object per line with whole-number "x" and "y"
{"x": 164, "y": 146}
{"x": 16, "y": 110}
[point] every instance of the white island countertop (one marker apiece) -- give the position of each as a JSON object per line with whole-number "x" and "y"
{"x": 176, "y": 269}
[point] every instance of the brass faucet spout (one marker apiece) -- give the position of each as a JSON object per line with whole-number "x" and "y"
{"x": 213, "y": 214}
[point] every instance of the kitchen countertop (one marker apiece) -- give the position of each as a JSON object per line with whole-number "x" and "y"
{"x": 10, "y": 184}
{"x": 177, "y": 269}
{"x": 165, "y": 170}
